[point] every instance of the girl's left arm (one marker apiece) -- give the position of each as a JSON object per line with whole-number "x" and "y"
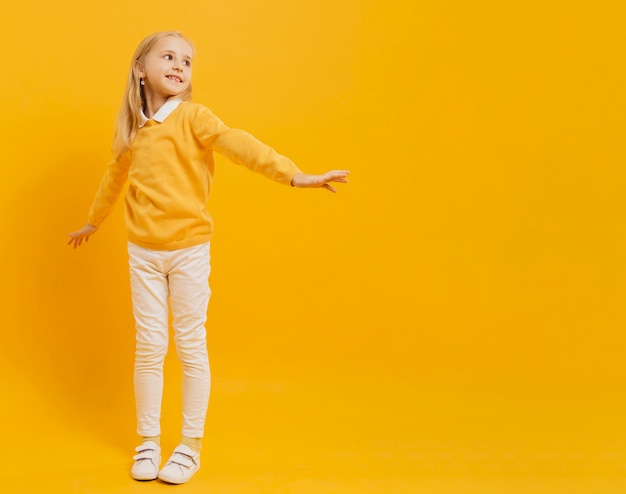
{"x": 243, "y": 148}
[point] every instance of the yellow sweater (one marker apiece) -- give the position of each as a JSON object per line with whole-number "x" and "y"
{"x": 169, "y": 167}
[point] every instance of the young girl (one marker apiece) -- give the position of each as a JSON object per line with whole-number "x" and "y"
{"x": 163, "y": 147}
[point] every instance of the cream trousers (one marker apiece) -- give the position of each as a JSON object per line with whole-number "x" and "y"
{"x": 180, "y": 276}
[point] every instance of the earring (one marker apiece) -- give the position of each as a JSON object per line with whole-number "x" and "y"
{"x": 141, "y": 82}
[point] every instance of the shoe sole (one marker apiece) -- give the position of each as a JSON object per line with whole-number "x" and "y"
{"x": 177, "y": 481}
{"x": 140, "y": 477}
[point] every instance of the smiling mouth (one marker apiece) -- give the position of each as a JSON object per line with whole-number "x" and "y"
{"x": 174, "y": 78}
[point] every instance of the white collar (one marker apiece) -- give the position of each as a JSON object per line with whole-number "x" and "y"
{"x": 168, "y": 107}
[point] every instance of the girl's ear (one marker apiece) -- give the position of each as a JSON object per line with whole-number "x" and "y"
{"x": 138, "y": 70}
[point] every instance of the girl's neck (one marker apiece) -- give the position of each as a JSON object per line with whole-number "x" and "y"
{"x": 152, "y": 105}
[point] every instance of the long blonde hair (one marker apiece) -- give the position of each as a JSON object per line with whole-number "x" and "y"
{"x": 129, "y": 116}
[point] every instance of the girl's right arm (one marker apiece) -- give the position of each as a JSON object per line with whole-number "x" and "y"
{"x": 110, "y": 188}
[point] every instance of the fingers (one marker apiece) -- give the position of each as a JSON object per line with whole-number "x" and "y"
{"x": 338, "y": 175}
{"x": 321, "y": 181}
{"x": 84, "y": 233}
{"x": 77, "y": 239}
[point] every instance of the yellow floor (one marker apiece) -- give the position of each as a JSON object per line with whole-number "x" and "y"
{"x": 348, "y": 435}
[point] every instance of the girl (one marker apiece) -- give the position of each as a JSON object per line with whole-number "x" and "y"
{"x": 163, "y": 147}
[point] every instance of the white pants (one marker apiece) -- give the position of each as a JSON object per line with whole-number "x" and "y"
{"x": 182, "y": 276}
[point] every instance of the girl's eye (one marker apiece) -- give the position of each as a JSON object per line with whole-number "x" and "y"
{"x": 168, "y": 57}
{"x": 187, "y": 63}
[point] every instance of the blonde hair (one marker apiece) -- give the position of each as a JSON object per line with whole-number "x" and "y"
{"x": 129, "y": 116}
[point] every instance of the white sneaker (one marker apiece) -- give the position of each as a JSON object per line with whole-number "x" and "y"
{"x": 147, "y": 461}
{"x": 183, "y": 463}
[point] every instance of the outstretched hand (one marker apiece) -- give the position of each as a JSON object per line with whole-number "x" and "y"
{"x": 84, "y": 233}
{"x": 321, "y": 181}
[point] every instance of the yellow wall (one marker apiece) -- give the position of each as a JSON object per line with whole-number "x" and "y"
{"x": 481, "y": 238}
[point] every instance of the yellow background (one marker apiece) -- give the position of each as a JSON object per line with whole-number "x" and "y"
{"x": 452, "y": 321}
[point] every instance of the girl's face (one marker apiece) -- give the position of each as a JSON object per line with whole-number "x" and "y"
{"x": 166, "y": 69}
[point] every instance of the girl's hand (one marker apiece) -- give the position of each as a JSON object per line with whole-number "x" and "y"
{"x": 84, "y": 233}
{"x": 320, "y": 181}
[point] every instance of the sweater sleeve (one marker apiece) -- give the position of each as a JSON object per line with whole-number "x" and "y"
{"x": 109, "y": 191}
{"x": 242, "y": 148}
